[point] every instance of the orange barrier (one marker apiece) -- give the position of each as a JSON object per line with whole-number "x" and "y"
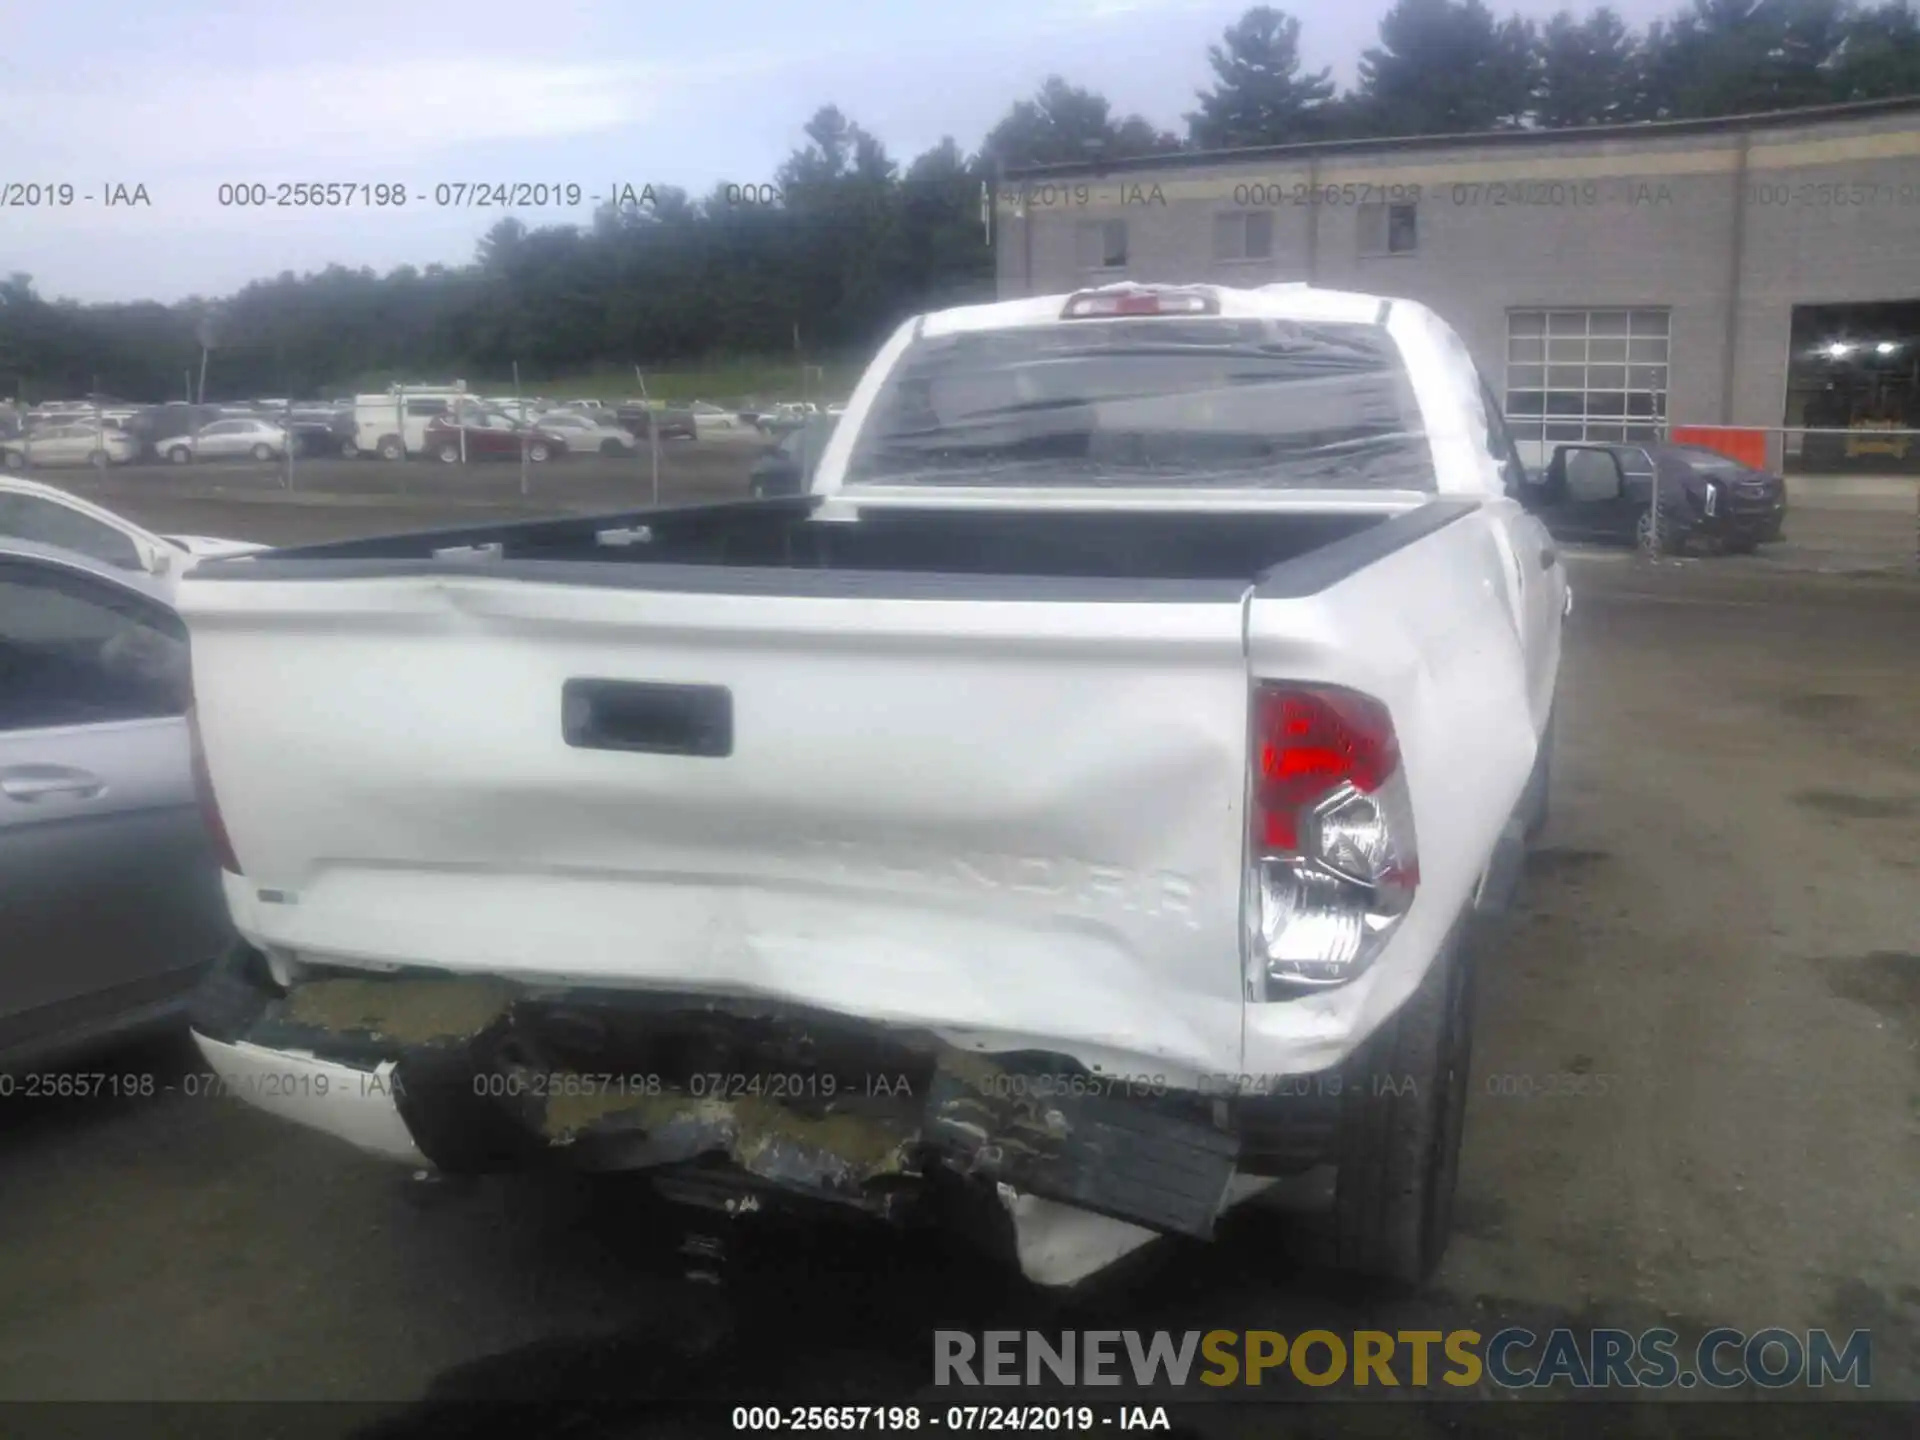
{"x": 1749, "y": 447}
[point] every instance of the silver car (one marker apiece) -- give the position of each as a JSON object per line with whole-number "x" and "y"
{"x": 228, "y": 439}
{"x": 43, "y": 515}
{"x": 92, "y": 444}
{"x": 587, "y": 433}
{"x": 110, "y": 896}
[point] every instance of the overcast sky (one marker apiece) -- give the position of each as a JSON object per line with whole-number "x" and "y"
{"x": 182, "y": 97}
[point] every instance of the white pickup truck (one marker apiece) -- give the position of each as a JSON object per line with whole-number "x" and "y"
{"x": 1071, "y": 812}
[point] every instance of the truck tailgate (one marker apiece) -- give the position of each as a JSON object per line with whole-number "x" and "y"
{"x": 1018, "y": 823}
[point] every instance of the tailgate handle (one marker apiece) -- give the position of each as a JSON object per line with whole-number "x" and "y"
{"x": 650, "y": 718}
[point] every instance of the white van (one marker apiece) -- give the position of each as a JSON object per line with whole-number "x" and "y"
{"x": 394, "y": 425}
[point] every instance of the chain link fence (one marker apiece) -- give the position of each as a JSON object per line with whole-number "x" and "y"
{"x": 1852, "y": 495}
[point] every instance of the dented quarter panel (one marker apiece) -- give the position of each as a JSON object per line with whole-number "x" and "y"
{"x": 1453, "y": 672}
{"x": 1043, "y": 842}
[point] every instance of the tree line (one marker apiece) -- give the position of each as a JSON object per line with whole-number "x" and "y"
{"x": 855, "y": 240}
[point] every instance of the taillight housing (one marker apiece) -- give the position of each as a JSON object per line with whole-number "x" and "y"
{"x": 209, "y": 805}
{"x": 1333, "y": 860}
{"x": 1117, "y": 300}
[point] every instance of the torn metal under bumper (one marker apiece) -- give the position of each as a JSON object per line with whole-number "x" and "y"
{"x": 717, "y": 1099}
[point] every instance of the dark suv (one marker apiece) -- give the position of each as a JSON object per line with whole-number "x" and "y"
{"x": 1605, "y": 492}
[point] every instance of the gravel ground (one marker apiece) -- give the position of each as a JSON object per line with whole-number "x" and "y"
{"x": 1721, "y": 920}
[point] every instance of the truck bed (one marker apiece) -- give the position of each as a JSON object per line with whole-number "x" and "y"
{"x": 996, "y": 789}
{"x": 898, "y": 551}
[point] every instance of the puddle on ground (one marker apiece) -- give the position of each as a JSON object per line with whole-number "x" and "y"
{"x": 1562, "y": 860}
{"x": 1849, "y": 806}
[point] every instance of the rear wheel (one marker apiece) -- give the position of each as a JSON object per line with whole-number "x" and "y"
{"x": 449, "y": 454}
{"x": 391, "y": 448}
{"x": 98, "y": 459}
{"x": 349, "y": 450}
{"x": 1403, "y": 1115}
{"x": 179, "y": 454}
{"x": 612, "y": 447}
{"x": 263, "y": 452}
{"x": 539, "y": 454}
{"x": 16, "y": 460}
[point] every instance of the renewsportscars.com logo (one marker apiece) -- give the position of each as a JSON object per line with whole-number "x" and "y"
{"x": 1512, "y": 1359}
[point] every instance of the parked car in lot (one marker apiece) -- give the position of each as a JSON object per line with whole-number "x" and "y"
{"x": 229, "y": 439}
{"x": 394, "y": 425}
{"x": 92, "y": 444}
{"x": 708, "y": 417}
{"x": 590, "y": 434}
{"x": 787, "y": 467}
{"x": 318, "y": 432}
{"x": 110, "y": 899}
{"x": 785, "y": 418}
{"x": 40, "y": 514}
{"x": 674, "y": 422}
{"x": 1117, "y": 748}
{"x": 153, "y": 426}
{"x": 1605, "y": 492}
{"x": 490, "y": 435}
{"x": 61, "y": 412}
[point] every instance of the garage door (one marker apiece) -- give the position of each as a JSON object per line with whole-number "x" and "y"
{"x": 1577, "y": 375}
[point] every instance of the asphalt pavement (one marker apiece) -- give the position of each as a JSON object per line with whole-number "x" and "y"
{"x": 1721, "y": 921}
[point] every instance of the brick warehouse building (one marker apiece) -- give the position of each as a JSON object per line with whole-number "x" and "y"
{"x": 1748, "y": 271}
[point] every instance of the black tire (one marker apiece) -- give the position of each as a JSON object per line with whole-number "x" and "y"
{"x": 16, "y": 461}
{"x": 612, "y": 447}
{"x": 538, "y": 453}
{"x": 1742, "y": 547}
{"x": 391, "y": 448}
{"x": 179, "y": 454}
{"x": 1402, "y": 1118}
{"x": 263, "y": 452}
{"x": 1670, "y": 541}
{"x": 449, "y": 454}
{"x": 349, "y": 450}
{"x": 98, "y": 460}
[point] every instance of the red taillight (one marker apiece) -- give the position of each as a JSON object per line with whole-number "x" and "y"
{"x": 1333, "y": 860}
{"x": 1311, "y": 741}
{"x": 209, "y": 804}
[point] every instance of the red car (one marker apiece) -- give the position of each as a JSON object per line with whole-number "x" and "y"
{"x": 490, "y": 435}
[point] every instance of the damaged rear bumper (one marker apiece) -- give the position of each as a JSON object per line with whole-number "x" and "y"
{"x": 740, "y": 1104}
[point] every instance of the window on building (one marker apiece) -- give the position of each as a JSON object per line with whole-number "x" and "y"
{"x": 1103, "y": 244}
{"x": 1243, "y": 235}
{"x": 1574, "y": 375}
{"x": 1388, "y": 229}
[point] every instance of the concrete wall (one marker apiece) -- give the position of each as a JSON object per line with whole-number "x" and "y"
{"x": 1727, "y": 229}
